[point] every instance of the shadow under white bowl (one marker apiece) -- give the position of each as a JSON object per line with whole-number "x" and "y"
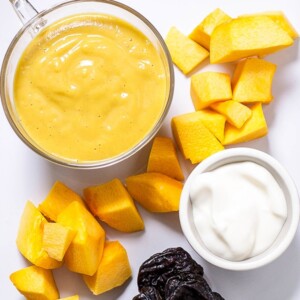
{"x": 288, "y": 230}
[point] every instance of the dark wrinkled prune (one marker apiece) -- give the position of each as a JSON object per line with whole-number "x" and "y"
{"x": 173, "y": 275}
{"x": 148, "y": 293}
{"x": 156, "y": 270}
{"x": 188, "y": 286}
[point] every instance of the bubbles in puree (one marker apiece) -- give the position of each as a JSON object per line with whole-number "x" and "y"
{"x": 89, "y": 87}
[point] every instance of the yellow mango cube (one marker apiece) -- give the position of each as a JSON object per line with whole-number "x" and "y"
{"x": 253, "y": 81}
{"x": 195, "y": 141}
{"x": 279, "y": 18}
{"x": 214, "y": 122}
{"x": 201, "y": 33}
{"x": 236, "y": 113}
{"x": 254, "y": 128}
{"x": 186, "y": 54}
{"x": 85, "y": 251}
{"x": 112, "y": 204}
{"x": 163, "y": 158}
{"x": 30, "y": 238}
{"x": 59, "y": 197}
{"x": 57, "y": 239}
{"x": 75, "y": 297}
{"x": 155, "y": 192}
{"x": 210, "y": 87}
{"x": 113, "y": 270}
{"x": 247, "y": 36}
{"x": 35, "y": 283}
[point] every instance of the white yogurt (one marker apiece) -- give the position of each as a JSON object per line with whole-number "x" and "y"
{"x": 238, "y": 210}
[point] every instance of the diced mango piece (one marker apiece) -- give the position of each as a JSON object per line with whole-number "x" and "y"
{"x": 59, "y": 197}
{"x": 201, "y": 34}
{"x": 155, "y": 192}
{"x": 214, "y": 122}
{"x": 253, "y": 81}
{"x": 57, "y": 239}
{"x": 254, "y": 128}
{"x": 236, "y": 113}
{"x": 186, "y": 54}
{"x": 279, "y": 18}
{"x": 112, "y": 204}
{"x": 163, "y": 158}
{"x": 75, "y": 297}
{"x": 30, "y": 238}
{"x": 247, "y": 36}
{"x": 114, "y": 269}
{"x": 35, "y": 283}
{"x": 85, "y": 251}
{"x": 194, "y": 140}
{"x": 210, "y": 87}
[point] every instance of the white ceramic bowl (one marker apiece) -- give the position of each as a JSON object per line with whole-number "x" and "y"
{"x": 290, "y": 191}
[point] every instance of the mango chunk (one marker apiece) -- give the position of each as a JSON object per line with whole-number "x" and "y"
{"x": 59, "y": 197}
{"x": 247, "y": 36}
{"x": 57, "y": 239}
{"x": 194, "y": 140}
{"x": 236, "y": 113}
{"x": 112, "y": 204}
{"x": 210, "y": 87}
{"x": 35, "y": 283}
{"x": 75, "y": 297}
{"x": 85, "y": 251}
{"x": 30, "y": 238}
{"x": 253, "y": 81}
{"x": 155, "y": 192}
{"x": 279, "y": 18}
{"x": 114, "y": 269}
{"x": 186, "y": 54}
{"x": 254, "y": 128}
{"x": 163, "y": 158}
{"x": 214, "y": 122}
{"x": 201, "y": 33}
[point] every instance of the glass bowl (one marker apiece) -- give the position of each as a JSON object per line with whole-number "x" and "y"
{"x": 41, "y": 20}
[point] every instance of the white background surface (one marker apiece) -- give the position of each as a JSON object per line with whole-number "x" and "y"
{"x": 24, "y": 175}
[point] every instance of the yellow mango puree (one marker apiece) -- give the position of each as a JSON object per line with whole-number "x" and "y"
{"x": 89, "y": 87}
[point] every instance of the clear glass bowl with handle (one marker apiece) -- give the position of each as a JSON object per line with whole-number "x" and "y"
{"x": 34, "y": 23}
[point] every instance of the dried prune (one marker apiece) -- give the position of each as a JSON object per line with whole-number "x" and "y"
{"x": 188, "y": 286}
{"x": 173, "y": 275}
{"x": 148, "y": 293}
{"x": 156, "y": 270}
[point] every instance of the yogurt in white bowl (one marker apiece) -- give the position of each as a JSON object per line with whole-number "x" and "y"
{"x": 219, "y": 218}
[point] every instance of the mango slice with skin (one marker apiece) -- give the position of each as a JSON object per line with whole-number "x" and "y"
{"x": 214, "y": 122}
{"x": 279, "y": 18}
{"x": 186, "y": 54}
{"x": 35, "y": 283}
{"x": 163, "y": 158}
{"x": 155, "y": 192}
{"x": 254, "y": 128}
{"x": 75, "y": 297}
{"x": 210, "y": 87}
{"x": 252, "y": 82}
{"x": 202, "y": 32}
{"x": 247, "y": 36}
{"x": 85, "y": 251}
{"x": 57, "y": 239}
{"x": 112, "y": 204}
{"x": 113, "y": 270}
{"x": 59, "y": 197}
{"x": 195, "y": 141}
{"x": 30, "y": 238}
{"x": 236, "y": 113}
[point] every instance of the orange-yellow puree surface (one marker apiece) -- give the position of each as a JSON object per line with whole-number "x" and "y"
{"x": 89, "y": 87}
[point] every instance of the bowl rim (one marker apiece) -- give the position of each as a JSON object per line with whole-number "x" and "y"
{"x": 98, "y": 163}
{"x": 230, "y": 156}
